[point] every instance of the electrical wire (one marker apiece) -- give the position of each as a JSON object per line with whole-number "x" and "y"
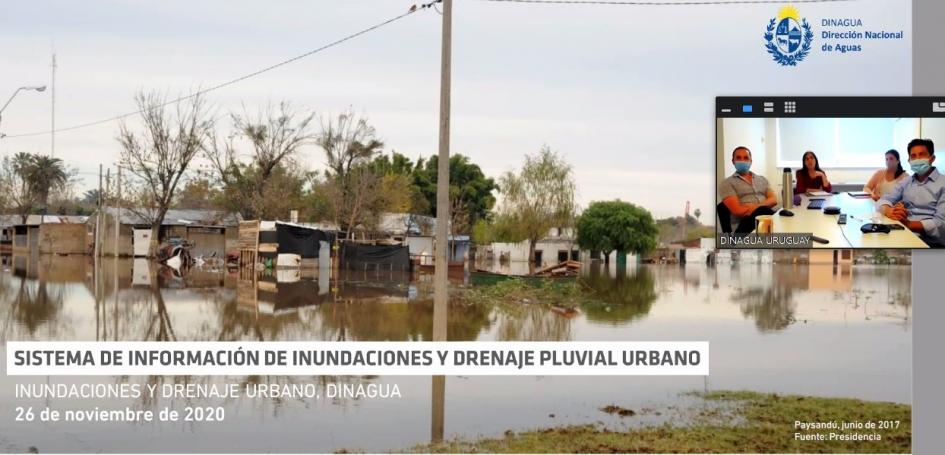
{"x": 412, "y": 10}
{"x": 842, "y": 231}
{"x": 661, "y": 3}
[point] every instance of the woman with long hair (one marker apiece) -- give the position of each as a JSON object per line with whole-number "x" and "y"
{"x": 811, "y": 177}
{"x": 886, "y": 179}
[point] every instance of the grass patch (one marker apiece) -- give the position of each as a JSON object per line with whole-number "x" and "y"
{"x": 525, "y": 291}
{"x": 767, "y": 426}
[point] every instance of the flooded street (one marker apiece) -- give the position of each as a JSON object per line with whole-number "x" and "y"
{"x": 799, "y": 329}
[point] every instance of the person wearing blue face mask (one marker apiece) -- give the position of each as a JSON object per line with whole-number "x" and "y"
{"x": 746, "y": 194}
{"x": 918, "y": 202}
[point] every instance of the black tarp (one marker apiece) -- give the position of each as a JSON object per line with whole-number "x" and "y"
{"x": 299, "y": 240}
{"x": 293, "y": 295}
{"x": 356, "y": 256}
{"x": 268, "y": 237}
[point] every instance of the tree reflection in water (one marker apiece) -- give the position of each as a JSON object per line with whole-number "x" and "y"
{"x": 195, "y": 307}
{"x": 370, "y": 319}
{"x": 619, "y": 299}
{"x": 772, "y": 307}
{"x": 30, "y": 305}
{"x": 532, "y": 323}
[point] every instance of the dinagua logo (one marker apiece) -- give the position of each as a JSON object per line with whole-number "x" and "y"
{"x": 788, "y": 37}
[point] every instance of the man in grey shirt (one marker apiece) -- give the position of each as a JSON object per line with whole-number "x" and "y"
{"x": 746, "y": 194}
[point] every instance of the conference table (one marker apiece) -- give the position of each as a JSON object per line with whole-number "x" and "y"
{"x": 859, "y": 212}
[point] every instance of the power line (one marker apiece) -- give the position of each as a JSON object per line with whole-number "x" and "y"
{"x": 337, "y": 42}
{"x": 661, "y": 3}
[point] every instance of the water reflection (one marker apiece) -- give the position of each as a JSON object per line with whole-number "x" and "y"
{"x": 772, "y": 307}
{"x": 532, "y": 323}
{"x": 762, "y": 322}
{"x": 36, "y": 303}
{"x": 70, "y": 299}
{"x": 621, "y": 298}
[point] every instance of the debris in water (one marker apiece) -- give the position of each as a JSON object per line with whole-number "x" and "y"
{"x": 622, "y": 412}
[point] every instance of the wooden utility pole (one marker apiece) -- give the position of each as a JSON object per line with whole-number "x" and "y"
{"x": 441, "y": 271}
{"x": 98, "y": 220}
{"x": 440, "y": 275}
{"x": 117, "y": 212}
{"x": 52, "y": 129}
{"x": 108, "y": 189}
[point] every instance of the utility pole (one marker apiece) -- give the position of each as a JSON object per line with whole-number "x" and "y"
{"x": 52, "y": 130}
{"x": 108, "y": 189}
{"x": 117, "y": 213}
{"x": 441, "y": 271}
{"x": 440, "y": 275}
{"x": 98, "y": 221}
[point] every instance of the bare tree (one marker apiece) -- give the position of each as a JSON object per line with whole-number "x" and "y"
{"x": 17, "y": 191}
{"x": 355, "y": 199}
{"x": 161, "y": 154}
{"x": 28, "y": 182}
{"x": 4, "y": 193}
{"x": 275, "y": 134}
{"x": 350, "y": 143}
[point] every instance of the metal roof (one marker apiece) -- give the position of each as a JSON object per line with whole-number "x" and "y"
{"x": 405, "y": 223}
{"x": 36, "y": 220}
{"x": 180, "y": 217}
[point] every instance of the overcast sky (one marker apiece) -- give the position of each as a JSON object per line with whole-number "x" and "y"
{"x": 625, "y": 93}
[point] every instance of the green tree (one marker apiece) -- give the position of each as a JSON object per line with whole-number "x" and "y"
{"x": 482, "y": 233}
{"x": 284, "y": 190}
{"x": 399, "y": 193}
{"x": 316, "y": 205}
{"x": 620, "y": 226}
{"x": 497, "y": 228}
{"x": 46, "y": 174}
{"x": 471, "y": 196}
{"x": 538, "y": 197}
{"x": 395, "y": 164}
{"x": 881, "y": 257}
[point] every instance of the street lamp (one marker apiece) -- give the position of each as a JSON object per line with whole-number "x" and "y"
{"x": 38, "y": 88}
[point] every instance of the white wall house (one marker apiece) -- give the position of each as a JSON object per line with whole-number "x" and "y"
{"x": 421, "y": 247}
{"x": 558, "y": 246}
{"x": 698, "y": 255}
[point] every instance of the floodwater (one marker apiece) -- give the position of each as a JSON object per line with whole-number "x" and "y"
{"x": 814, "y": 330}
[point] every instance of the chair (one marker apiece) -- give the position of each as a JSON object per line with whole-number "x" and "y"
{"x": 725, "y": 217}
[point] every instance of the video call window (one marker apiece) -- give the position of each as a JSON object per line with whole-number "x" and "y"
{"x": 830, "y": 172}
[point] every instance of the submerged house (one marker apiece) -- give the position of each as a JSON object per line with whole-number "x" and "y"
{"x": 558, "y": 246}
{"x": 211, "y": 232}
{"x": 695, "y": 252}
{"x": 358, "y": 256}
{"x": 418, "y": 233}
{"x": 46, "y": 234}
{"x": 6, "y": 232}
{"x": 285, "y": 244}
